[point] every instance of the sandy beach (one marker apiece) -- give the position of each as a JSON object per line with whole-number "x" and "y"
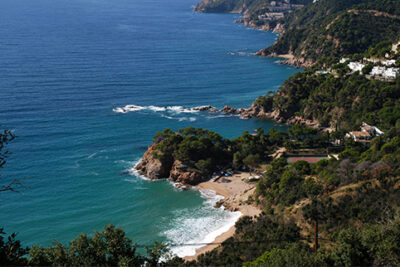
{"x": 236, "y": 190}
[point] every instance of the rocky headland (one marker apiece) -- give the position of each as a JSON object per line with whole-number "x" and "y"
{"x": 155, "y": 168}
{"x": 258, "y": 111}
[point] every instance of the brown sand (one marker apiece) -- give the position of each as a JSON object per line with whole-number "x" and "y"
{"x": 236, "y": 191}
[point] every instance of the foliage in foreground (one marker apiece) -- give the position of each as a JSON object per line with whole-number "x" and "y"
{"x": 110, "y": 247}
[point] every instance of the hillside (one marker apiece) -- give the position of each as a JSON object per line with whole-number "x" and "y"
{"x": 326, "y": 28}
{"x": 256, "y": 13}
{"x": 331, "y": 95}
{"x": 336, "y": 28}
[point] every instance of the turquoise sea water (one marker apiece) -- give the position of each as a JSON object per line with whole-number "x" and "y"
{"x": 66, "y": 64}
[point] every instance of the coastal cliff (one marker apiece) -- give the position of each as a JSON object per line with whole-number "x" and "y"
{"x": 152, "y": 167}
{"x": 311, "y": 30}
{"x": 188, "y": 156}
{"x": 259, "y": 110}
{"x": 331, "y": 29}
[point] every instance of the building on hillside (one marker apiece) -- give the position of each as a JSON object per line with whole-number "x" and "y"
{"x": 356, "y": 66}
{"x": 360, "y": 136}
{"x": 388, "y": 63}
{"x": 377, "y": 71}
{"x": 391, "y": 73}
{"x": 387, "y": 73}
{"x": 366, "y": 134}
{"x": 373, "y": 130}
{"x": 343, "y": 60}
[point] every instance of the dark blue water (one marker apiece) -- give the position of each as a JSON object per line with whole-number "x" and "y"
{"x": 66, "y": 64}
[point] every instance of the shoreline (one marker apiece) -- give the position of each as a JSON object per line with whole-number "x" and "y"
{"x": 236, "y": 191}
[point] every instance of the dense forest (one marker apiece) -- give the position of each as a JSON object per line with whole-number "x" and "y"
{"x": 324, "y": 28}
{"x": 205, "y": 152}
{"x": 339, "y": 102}
{"x": 330, "y": 28}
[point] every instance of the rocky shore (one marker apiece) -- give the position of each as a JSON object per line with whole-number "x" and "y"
{"x": 278, "y": 28}
{"x": 289, "y": 59}
{"x": 257, "y": 111}
{"x": 154, "y": 168}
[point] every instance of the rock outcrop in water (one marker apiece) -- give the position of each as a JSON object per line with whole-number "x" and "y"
{"x": 175, "y": 170}
{"x": 152, "y": 167}
{"x": 258, "y": 111}
{"x": 188, "y": 156}
{"x": 206, "y": 108}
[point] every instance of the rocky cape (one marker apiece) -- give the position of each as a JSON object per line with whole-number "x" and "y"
{"x": 288, "y": 59}
{"x": 155, "y": 168}
{"x": 257, "y": 111}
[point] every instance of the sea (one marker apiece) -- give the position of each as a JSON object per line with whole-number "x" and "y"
{"x": 68, "y": 71}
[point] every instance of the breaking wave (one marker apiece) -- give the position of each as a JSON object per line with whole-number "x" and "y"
{"x": 131, "y": 170}
{"x": 173, "y": 109}
{"x": 205, "y": 223}
{"x": 241, "y": 54}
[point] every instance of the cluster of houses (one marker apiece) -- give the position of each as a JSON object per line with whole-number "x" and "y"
{"x": 366, "y": 134}
{"x": 277, "y": 10}
{"x": 387, "y": 70}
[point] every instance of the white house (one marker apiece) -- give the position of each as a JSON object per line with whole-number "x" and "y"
{"x": 391, "y": 73}
{"x": 343, "y": 60}
{"x": 377, "y": 71}
{"x": 373, "y": 130}
{"x": 388, "y": 63}
{"x": 359, "y": 136}
{"x": 356, "y": 66}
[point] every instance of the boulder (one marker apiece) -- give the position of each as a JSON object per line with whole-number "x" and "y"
{"x": 227, "y": 109}
{"x": 152, "y": 167}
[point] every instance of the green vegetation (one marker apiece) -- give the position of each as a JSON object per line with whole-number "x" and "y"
{"x": 6, "y": 136}
{"x": 253, "y": 236}
{"x": 333, "y": 28}
{"x": 110, "y": 247}
{"x": 343, "y": 101}
{"x": 205, "y": 151}
{"x": 354, "y": 199}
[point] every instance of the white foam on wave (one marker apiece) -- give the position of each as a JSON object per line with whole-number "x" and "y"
{"x": 128, "y": 108}
{"x": 133, "y": 172}
{"x": 241, "y": 54}
{"x": 174, "y": 109}
{"x": 92, "y": 155}
{"x": 168, "y": 117}
{"x": 223, "y": 116}
{"x": 187, "y": 119}
{"x": 200, "y": 226}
